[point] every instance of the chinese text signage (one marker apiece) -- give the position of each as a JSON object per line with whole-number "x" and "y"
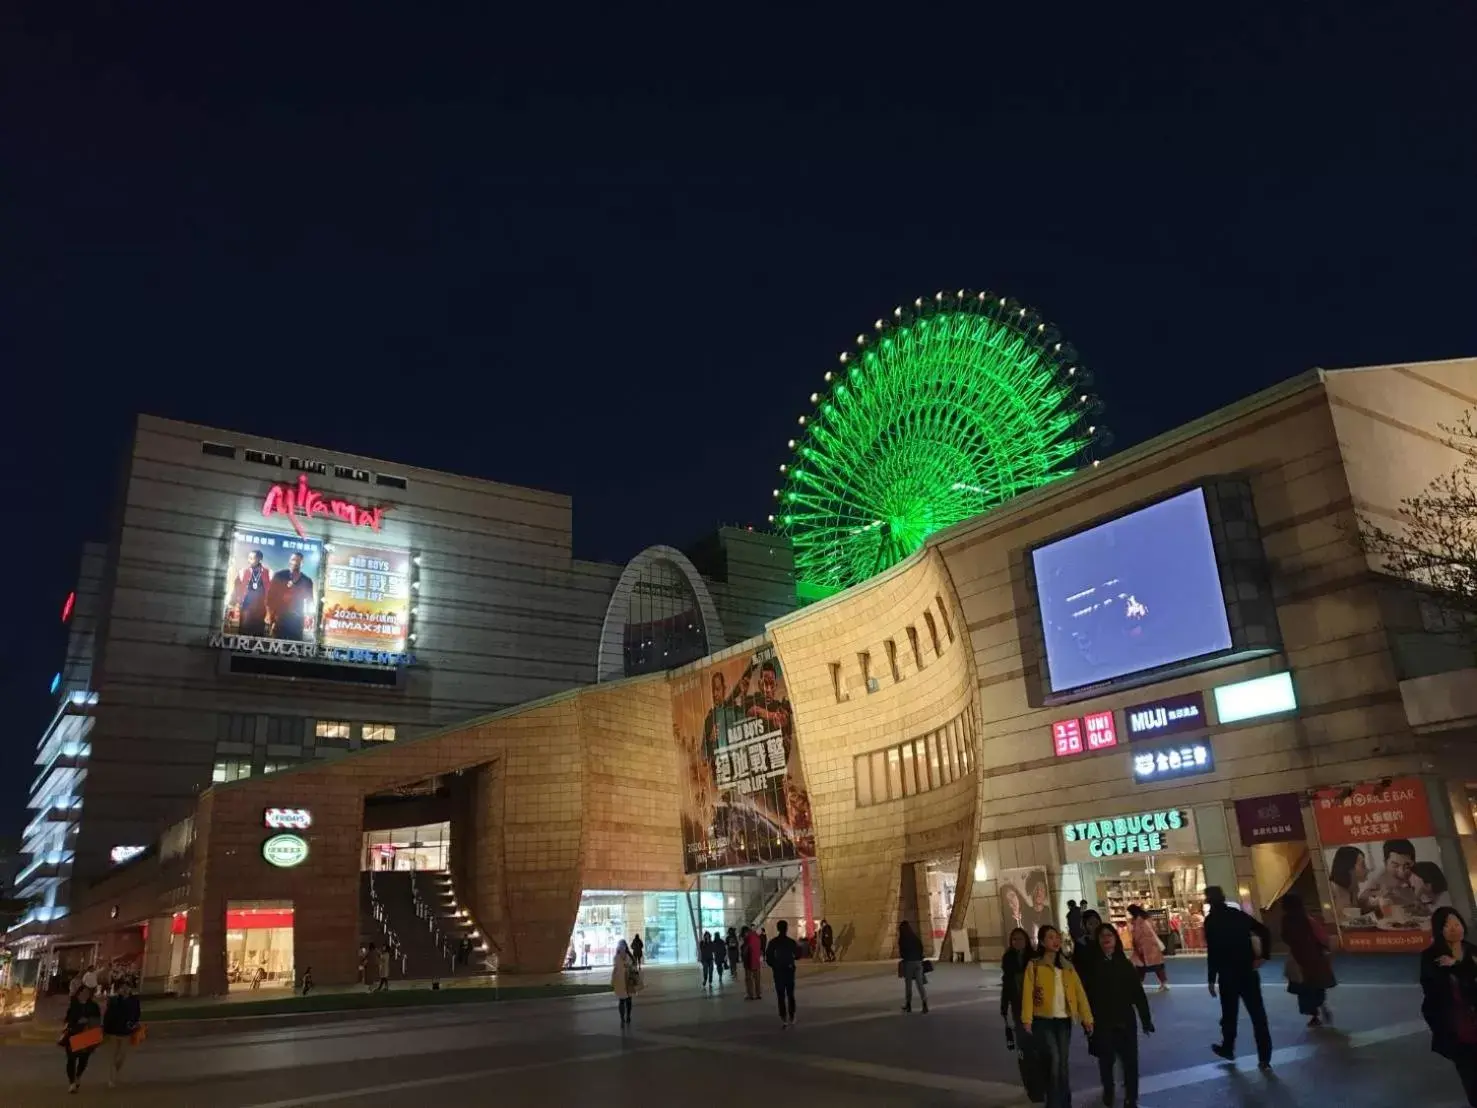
{"x": 1142, "y": 833}
{"x": 366, "y": 598}
{"x": 1171, "y": 716}
{"x": 744, "y": 795}
{"x": 1173, "y": 761}
{"x": 1270, "y": 819}
{"x": 285, "y": 851}
{"x": 1094, "y": 731}
{"x": 1385, "y": 870}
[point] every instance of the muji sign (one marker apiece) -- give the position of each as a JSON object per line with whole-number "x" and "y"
{"x": 291, "y": 502}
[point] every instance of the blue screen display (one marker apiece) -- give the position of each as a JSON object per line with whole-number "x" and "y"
{"x": 1133, "y": 594}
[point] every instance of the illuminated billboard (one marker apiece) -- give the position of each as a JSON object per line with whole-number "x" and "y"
{"x": 366, "y": 598}
{"x": 271, "y": 587}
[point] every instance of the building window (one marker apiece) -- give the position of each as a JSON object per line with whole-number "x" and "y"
{"x": 865, "y": 661}
{"x": 836, "y": 682}
{"x": 331, "y": 729}
{"x": 236, "y": 728}
{"x": 307, "y": 465}
{"x": 913, "y": 642}
{"x": 218, "y": 450}
{"x": 274, "y": 767}
{"x": 389, "y": 480}
{"x": 349, "y": 473}
{"x": 891, "y": 647}
{"x": 944, "y": 615}
{"x": 919, "y": 765}
{"x": 379, "y": 732}
{"x": 284, "y": 731}
{"x": 230, "y": 771}
{"x": 862, "y": 769}
{"x": 264, "y": 458}
{"x": 933, "y": 632}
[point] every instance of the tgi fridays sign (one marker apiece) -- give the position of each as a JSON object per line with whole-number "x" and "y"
{"x": 1094, "y": 731}
{"x": 1155, "y": 831}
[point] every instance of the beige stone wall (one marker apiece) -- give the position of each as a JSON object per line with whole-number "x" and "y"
{"x": 1351, "y": 725}
{"x": 861, "y": 850}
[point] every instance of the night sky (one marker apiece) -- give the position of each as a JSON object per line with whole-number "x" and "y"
{"x": 612, "y": 255}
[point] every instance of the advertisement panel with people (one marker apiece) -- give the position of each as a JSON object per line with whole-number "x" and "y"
{"x": 743, "y": 788}
{"x": 271, "y": 586}
{"x": 366, "y": 598}
{"x": 1385, "y": 872}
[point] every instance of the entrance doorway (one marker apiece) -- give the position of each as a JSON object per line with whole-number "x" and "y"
{"x": 259, "y": 945}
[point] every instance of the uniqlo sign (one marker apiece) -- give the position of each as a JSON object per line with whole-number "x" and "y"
{"x": 1095, "y": 731}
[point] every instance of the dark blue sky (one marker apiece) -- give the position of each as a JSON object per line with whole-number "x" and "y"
{"x": 612, "y": 254}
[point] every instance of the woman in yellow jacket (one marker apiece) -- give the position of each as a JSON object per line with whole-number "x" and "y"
{"x": 1051, "y": 998}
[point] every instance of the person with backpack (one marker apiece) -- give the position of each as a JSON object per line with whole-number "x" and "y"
{"x": 782, "y": 955}
{"x": 1051, "y": 998}
{"x": 733, "y": 944}
{"x": 720, "y": 956}
{"x": 1235, "y": 947}
{"x": 910, "y": 966}
{"x": 1119, "y": 1011}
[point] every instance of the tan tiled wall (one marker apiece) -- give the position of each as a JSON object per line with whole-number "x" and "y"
{"x": 861, "y": 850}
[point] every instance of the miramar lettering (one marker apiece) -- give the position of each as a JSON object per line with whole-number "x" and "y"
{"x": 284, "y": 648}
{"x": 1138, "y": 834}
{"x": 291, "y": 502}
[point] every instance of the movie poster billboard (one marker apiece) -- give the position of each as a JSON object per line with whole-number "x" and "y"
{"x": 744, "y": 796}
{"x": 366, "y": 598}
{"x": 1025, "y": 901}
{"x": 271, "y": 586}
{"x": 1385, "y": 873}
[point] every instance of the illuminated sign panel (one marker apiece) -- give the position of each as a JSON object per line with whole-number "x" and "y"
{"x": 242, "y": 644}
{"x": 271, "y": 587}
{"x": 1094, "y": 731}
{"x": 1142, "y": 833}
{"x": 1186, "y": 760}
{"x": 1261, "y": 696}
{"x": 285, "y": 851}
{"x": 301, "y": 500}
{"x": 287, "y": 819}
{"x": 1171, "y": 716}
{"x": 120, "y": 854}
{"x": 366, "y": 598}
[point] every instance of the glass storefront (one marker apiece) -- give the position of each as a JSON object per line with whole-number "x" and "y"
{"x": 259, "y": 944}
{"x": 408, "y": 848}
{"x": 1169, "y": 887}
{"x": 606, "y": 917}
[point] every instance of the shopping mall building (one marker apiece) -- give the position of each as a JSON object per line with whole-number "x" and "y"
{"x": 1177, "y": 668}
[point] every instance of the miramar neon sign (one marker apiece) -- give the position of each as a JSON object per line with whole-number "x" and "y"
{"x": 284, "y": 500}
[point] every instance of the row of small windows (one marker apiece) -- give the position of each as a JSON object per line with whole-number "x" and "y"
{"x": 864, "y": 657}
{"x": 916, "y": 766}
{"x": 305, "y": 465}
{"x": 289, "y": 730}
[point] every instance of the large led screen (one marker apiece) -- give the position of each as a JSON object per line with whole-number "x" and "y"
{"x": 366, "y": 598}
{"x": 1133, "y": 594}
{"x": 271, "y": 584}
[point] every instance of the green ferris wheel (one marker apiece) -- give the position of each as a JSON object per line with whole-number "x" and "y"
{"x": 952, "y": 406}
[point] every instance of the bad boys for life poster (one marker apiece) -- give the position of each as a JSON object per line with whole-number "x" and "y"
{"x": 272, "y": 583}
{"x": 366, "y": 598}
{"x": 743, "y": 789}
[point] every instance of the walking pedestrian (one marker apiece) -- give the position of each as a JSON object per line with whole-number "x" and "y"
{"x": 1013, "y": 963}
{"x": 1449, "y": 985}
{"x": 782, "y": 955}
{"x": 720, "y": 956}
{"x": 384, "y": 967}
{"x": 1235, "y": 947}
{"x": 1119, "y": 1010}
{"x": 638, "y": 950}
{"x": 752, "y": 963}
{"x": 371, "y": 963}
{"x": 828, "y": 941}
{"x": 1148, "y": 948}
{"x": 734, "y": 961}
{"x": 81, "y": 1035}
{"x": 1051, "y": 998}
{"x": 910, "y": 968}
{"x": 307, "y": 980}
{"x": 1074, "y": 922}
{"x": 1087, "y": 955}
{"x": 705, "y": 956}
{"x": 763, "y": 940}
{"x": 121, "y": 1021}
{"x": 625, "y": 980}
{"x": 1308, "y": 971}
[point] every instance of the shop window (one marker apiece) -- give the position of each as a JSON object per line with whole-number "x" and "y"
{"x": 944, "y": 615}
{"x": 913, "y": 642}
{"x": 230, "y": 771}
{"x": 862, "y": 769}
{"x": 331, "y": 729}
{"x": 864, "y": 660}
{"x": 378, "y": 732}
{"x": 933, "y": 632}
{"x": 892, "y": 660}
{"x": 259, "y": 944}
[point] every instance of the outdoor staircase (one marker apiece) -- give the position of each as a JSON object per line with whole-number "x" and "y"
{"x": 417, "y": 913}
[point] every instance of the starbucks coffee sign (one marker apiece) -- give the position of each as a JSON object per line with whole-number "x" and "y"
{"x": 1162, "y": 831}
{"x": 285, "y": 851}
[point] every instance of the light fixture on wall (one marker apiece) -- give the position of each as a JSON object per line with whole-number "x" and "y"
{"x": 981, "y": 873}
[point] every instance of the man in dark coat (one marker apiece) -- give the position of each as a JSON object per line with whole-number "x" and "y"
{"x": 1235, "y": 946}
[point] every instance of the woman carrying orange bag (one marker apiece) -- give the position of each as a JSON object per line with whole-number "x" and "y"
{"x": 83, "y": 1034}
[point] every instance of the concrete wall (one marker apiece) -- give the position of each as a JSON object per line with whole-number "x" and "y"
{"x": 862, "y": 851}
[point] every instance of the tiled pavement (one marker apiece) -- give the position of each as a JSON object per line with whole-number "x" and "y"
{"x": 851, "y": 1047}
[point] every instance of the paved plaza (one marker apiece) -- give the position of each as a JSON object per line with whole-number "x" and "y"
{"x": 851, "y": 1046}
